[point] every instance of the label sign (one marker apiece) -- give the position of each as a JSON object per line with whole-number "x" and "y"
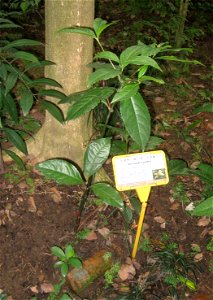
{"x": 142, "y": 169}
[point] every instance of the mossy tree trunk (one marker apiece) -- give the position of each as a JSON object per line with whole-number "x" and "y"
{"x": 183, "y": 9}
{"x": 70, "y": 53}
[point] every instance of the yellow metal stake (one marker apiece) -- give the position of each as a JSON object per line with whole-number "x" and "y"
{"x": 143, "y": 195}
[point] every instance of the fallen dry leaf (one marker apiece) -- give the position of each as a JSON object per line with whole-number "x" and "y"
{"x": 23, "y": 185}
{"x": 55, "y": 195}
{"x": 204, "y": 221}
{"x": 91, "y": 236}
{"x": 104, "y": 232}
{"x": 47, "y": 288}
{"x": 159, "y": 219}
{"x": 31, "y": 204}
{"x": 198, "y": 257}
{"x": 159, "y": 99}
{"x": 190, "y": 207}
{"x": 163, "y": 225}
{"x": 19, "y": 200}
{"x": 175, "y": 206}
{"x": 126, "y": 272}
{"x": 34, "y": 289}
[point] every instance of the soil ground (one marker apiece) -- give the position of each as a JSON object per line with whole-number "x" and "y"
{"x": 36, "y": 214}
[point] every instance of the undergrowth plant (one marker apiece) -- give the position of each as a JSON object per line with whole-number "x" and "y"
{"x": 20, "y": 91}
{"x": 114, "y": 88}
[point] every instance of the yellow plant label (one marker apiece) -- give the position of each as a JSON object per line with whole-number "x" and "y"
{"x": 132, "y": 171}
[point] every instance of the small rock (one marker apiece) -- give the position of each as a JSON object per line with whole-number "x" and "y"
{"x": 47, "y": 288}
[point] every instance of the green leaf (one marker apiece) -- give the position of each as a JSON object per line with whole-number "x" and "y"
{"x": 205, "y": 208}
{"x": 11, "y": 108}
{"x": 90, "y": 94}
{"x": 53, "y": 93}
{"x": 150, "y": 78}
{"x": 25, "y": 56}
{"x": 57, "y": 251}
{"x": 46, "y": 81}
{"x": 100, "y": 25}
{"x": 118, "y": 148}
{"x": 108, "y": 194}
{"x": 26, "y": 101}
{"x": 21, "y": 43}
{"x": 175, "y": 58}
{"x": 104, "y": 73}
{"x": 205, "y": 172}
{"x": 107, "y": 55}
{"x": 16, "y": 158}
{"x": 153, "y": 142}
{"x": 96, "y": 154}
{"x": 64, "y": 269}
{"x": 144, "y": 60}
{"x": 69, "y": 252}
{"x": 75, "y": 262}
{"x": 136, "y": 118}
{"x": 10, "y": 82}
{"x": 16, "y": 140}
{"x": 126, "y": 92}
{"x": 86, "y": 101}
{"x": 54, "y": 110}
{"x": 128, "y": 54}
{"x": 81, "y": 30}
{"x": 142, "y": 71}
{"x": 177, "y": 167}
{"x": 206, "y": 107}
{"x": 127, "y": 213}
{"x": 62, "y": 171}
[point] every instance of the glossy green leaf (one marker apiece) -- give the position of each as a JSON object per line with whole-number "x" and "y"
{"x": 96, "y": 154}
{"x": 60, "y": 170}
{"x": 118, "y": 147}
{"x": 142, "y": 71}
{"x": 54, "y": 110}
{"x": 104, "y": 73}
{"x": 69, "y": 252}
{"x": 126, "y": 92}
{"x": 136, "y": 118}
{"x": 10, "y": 82}
{"x": 25, "y": 56}
{"x": 16, "y": 140}
{"x": 81, "y": 30}
{"x": 177, "y": 167}
{"x": 16, "y": 158}
{"x": 64, "y": 269}
{"x": 21, "y": 43}
{"x": 143, "y": 60}
{"x": 90, "y": 94}
{"x": 107, "y": 55}
{"x": 127, "y": 213}
{"x": 108, "y": 194}
{"x": 86, "y": 101}
{"x": 11, "y": 108}
{"x": 75, "y": 262}
{"x": 46, "y": 81}
{"x": 205, "y": 208}
{"x": 150, "y": 78}
{"x": 128, "y": 54}
{"x": 53, "y": 93}
{"x": 57, "y": 251}
{"x": 100, "y": 25}
{"x": 206, "y": 107}
{"x": 3, "y": 71}
{"x": 175, "y": 58}
{"x": 26, "y": 101}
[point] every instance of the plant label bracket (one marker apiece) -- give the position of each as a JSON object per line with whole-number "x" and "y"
{"x": 140, "y": 172}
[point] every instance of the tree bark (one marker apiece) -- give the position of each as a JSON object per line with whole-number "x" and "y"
{"x": 70, "y": 53}
{"x": 183, "y": 9}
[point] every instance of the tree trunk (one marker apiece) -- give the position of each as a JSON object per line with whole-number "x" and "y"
{"x": 183, "y": 9}
{"x": 70, "y": 53}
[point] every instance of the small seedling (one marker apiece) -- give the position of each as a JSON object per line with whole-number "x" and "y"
{"x": 145, "y": 245}
{"x": 111, "y": 274}
{"x": 66, "y": 259}
{"x": 179, "y": 193}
